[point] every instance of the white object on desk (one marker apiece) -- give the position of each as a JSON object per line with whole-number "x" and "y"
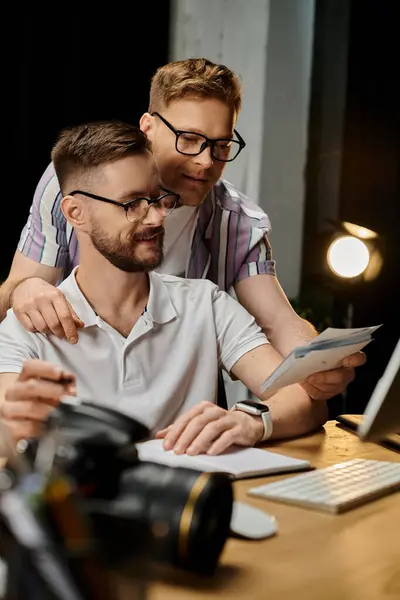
{"x": 237, "y": 462}
{"x": 336, "y": 488}
{"x": 252, "y": 523}
{"x": 325, "y": 352}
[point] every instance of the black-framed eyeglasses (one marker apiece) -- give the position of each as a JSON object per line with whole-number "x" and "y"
{"x": 191, "y": 143}
{"x": 137, "y": 209}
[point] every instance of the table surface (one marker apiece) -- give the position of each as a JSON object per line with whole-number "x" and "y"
{"x": 315, "y": 555}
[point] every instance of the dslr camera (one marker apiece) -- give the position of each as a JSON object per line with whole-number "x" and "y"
{"x": 80, "y": 502}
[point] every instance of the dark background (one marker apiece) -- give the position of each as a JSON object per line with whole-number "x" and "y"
{"x": 68, "y": 68}
{"x": 371, "y": 172}
{"x": 369, "y": 164}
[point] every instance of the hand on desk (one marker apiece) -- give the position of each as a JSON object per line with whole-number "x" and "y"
{"x": 29, "y": 401}
{"x": 207, "y": 428}
{"x": 326, "y": 384}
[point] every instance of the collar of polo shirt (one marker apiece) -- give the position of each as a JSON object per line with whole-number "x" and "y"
{"x": 159, "y": 306}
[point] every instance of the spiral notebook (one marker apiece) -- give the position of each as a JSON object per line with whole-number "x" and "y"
{"x": 239, "y": 463}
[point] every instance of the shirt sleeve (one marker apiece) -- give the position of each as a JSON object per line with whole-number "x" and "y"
{"x": 237, "y": 331}
{"x": 258, "y": 261}
{"x": 44, "y": 237}
{"x": 240, "y": 228}
{"x": 16, "y": 345}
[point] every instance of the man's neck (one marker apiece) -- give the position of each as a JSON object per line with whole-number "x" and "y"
{"x": 117, "y": 297}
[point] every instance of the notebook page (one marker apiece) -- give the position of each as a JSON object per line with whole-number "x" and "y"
{"x": 237, "y": 462}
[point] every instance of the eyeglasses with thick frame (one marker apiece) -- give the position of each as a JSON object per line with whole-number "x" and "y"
{"x": 229, "y": 143}
{"x": 136, "y": 210}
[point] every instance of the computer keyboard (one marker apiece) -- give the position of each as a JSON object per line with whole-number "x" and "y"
{"x": 337, "y": 488}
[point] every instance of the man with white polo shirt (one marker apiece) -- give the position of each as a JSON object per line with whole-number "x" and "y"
{"x": 216, "y": 234}
{"x": 151, "y": 344}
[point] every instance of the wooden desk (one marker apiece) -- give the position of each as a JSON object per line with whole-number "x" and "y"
{"x": 315, "y": 556}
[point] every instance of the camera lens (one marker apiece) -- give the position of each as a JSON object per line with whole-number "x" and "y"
{"x": 189, "y": 513}
{"x": 175, "y": 515}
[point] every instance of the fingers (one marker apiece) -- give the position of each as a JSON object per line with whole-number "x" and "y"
{"x": 207, "y": 428}
{"x": 182, "y": 422}
{"x": 47, "y": 321}
{"x": 40, "y": 369}
{"x": 77, "y": 320}
{"x": 41, "y": 307}
{"x": 24, "y": 430}
{"x": 220, "y": 433}
{"x": 163, "y": 432}
{"x": 68, "y": 319}
{"x": 316, "y": 394}
{"x": 326, "y": 384}
{"x": 35, "y": 390}
{"x": 26, "y": 410}
{"x": 331, "y": 378}
{"x": 223, "y": 442}
{"x": 38, "y": 322}
{"x": 202, "y": 431}
{"x": 30, "y": 400}
{"x": 355, "y": 360}
{"x": 26, "y": 322}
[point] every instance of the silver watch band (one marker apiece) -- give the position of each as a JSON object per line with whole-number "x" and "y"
{"x": 265, "y": 416}
{"x": 267, "y": 422}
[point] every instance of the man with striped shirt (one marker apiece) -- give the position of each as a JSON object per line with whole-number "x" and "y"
{"x": 217, "y": 233}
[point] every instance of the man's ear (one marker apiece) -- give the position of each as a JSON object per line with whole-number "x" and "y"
{"x": 146, "y": 123}
{"x": 74, "y": 210}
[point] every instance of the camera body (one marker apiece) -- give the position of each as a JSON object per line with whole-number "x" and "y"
{"x": 101, "y": 504}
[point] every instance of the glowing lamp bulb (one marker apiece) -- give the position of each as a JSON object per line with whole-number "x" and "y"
{"x": 348, "y": 256}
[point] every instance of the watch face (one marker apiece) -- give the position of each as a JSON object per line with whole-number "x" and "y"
{"x": 258, "y": 406}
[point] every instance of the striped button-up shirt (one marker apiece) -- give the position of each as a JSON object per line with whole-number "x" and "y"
{"x": 229, "y": 243}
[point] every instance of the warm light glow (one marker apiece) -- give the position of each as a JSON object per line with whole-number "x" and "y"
{"x": 359, "y": 231}
{"x": 348, "y": 256}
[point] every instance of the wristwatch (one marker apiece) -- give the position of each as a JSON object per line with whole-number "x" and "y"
{"x": 257, "y": 409}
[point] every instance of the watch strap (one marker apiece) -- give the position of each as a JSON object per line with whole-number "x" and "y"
{"x": 265, "y": 417}
{"x": 267, "y": 422}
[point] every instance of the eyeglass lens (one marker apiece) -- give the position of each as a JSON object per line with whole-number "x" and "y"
{"x": 138, "y": 209}
{"x": 192, "y": 144}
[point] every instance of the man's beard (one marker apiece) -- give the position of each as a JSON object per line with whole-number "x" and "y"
{"x": 123, "y": 255}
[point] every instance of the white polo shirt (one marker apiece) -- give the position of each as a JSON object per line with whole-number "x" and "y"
{"x": 167, "y": 364}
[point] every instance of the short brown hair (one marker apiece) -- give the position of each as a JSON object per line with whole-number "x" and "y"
{"x": 196, "y": 78}
{"x": 81, "y": 148}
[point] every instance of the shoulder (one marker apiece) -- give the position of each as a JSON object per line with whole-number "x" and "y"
{"x": 11, "y": 328}
{"x": 230, "y": 199}
{"x": 16, "y": 344}
{"x": 48, "y": 189}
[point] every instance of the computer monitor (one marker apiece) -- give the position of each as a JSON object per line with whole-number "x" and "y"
{"x": 382, "y": 414}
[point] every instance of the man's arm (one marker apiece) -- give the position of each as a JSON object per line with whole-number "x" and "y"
{"x": 210, "y": 429}
{"x": 23, "y": 268}
{"x": 293, "y": 412}
{"x": 245, "y": 353}
{"x": 42, "y": 248}
{"x": 38, "y": 263}
{"x": 264, "y": 298}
